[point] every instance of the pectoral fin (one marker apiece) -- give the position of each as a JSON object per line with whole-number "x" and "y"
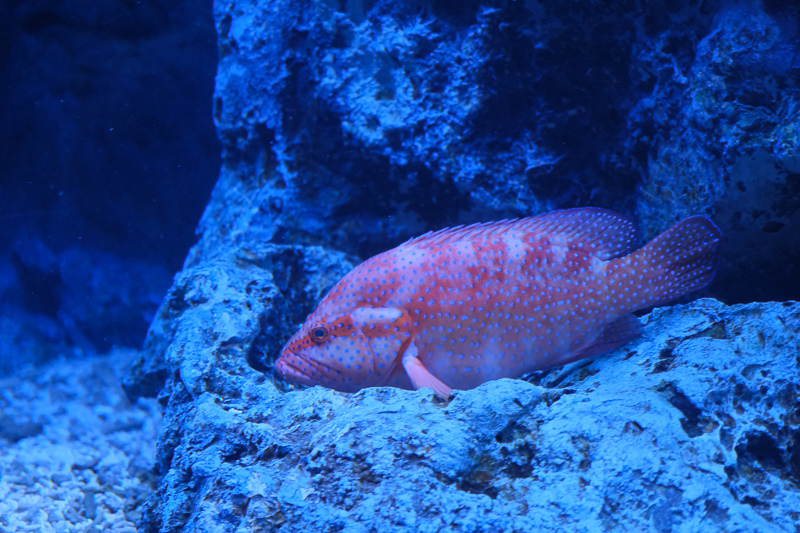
{"x": 419, "y": 375}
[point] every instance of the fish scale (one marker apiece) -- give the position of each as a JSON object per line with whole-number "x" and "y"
{"x": 462, "y": 306}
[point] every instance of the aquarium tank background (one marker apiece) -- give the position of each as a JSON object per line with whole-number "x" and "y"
{"x": 182, "y": 182}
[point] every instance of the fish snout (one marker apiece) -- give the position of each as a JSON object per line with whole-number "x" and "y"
{"x": 287, "y": 365}
{"x": 297, "y": 369}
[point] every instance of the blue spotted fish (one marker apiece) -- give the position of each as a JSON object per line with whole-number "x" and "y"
{"x": 462, "y": 306}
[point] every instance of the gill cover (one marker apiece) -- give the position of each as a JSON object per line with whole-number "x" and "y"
{"x": 386, "y": 333}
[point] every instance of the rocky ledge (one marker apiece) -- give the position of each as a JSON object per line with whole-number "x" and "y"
{"x": 694, "y": 427}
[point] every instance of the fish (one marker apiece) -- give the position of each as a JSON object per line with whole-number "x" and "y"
{"x": 462, "y": 306}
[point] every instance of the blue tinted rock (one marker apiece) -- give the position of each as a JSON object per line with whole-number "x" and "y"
{"x": 728, "y": 145}
{"x": 691, "y": 428}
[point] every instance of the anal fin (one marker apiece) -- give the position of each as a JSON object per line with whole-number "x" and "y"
{"x": 614, "y": 335}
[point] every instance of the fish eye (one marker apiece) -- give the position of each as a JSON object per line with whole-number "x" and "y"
{"x": 319, "y": 333}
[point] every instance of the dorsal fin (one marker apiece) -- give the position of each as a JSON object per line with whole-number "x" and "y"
{"x": 605, "y": 233}
{"x": 457, "y": 233}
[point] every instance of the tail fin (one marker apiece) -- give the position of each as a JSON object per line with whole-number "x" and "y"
{"x": 681, "y": 260}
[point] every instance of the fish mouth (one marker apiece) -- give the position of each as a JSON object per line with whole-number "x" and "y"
{"x": 299, "y": 369}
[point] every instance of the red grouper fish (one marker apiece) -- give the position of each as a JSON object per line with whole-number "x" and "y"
{"x": 462, "y": 306}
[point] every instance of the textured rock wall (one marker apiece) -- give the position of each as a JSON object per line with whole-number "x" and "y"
{"x": 719, "y": 134}
{"x": 360, "y": 128}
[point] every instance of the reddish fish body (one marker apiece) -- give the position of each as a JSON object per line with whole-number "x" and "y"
{"x": 462, "y": 306}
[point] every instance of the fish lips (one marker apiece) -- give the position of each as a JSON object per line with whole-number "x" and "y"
{"x": 300, "y": 370}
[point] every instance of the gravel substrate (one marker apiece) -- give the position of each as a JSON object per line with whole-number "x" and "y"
{"x": 75, "y": 454}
